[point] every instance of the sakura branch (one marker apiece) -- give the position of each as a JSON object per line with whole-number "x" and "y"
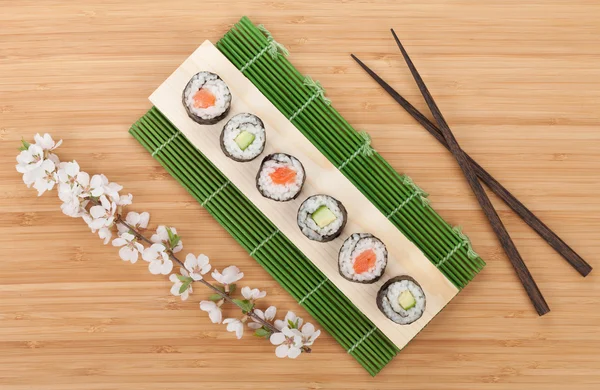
{"x": 101, "y": 206}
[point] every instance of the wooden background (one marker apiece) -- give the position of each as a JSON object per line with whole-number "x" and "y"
{"x": 518, "y": 83}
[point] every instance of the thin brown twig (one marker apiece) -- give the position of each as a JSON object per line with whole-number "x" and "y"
{"x": 223, "y": 295}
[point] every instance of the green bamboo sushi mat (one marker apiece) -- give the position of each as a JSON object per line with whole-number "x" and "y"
{"x": 301, "y": 101}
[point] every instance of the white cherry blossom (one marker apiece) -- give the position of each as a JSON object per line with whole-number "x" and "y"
{"x": 103, "y": 215}
{"x": 46, "y": 177}
{"x": 159, "y": 260}
{"x": 46, "y": 142}
{"x": 105, "y": 234}
{"x": 124, "y": 200}
{"x": 290, "y": 320}
{"x": 177, "y": 286}
{"x": 235, "y": 325}
{"x": 112, "y": 190}
{"x": 30, "y": 159}
{"x": 73, "y": 205}
{"x": 139, "y": 221}
{"x": 253, "y": 294}
{"x": 230, "y": 275}
{"x": 289, "y": 342}
{"x": 162, "y": 237}
{"x": 213, "y": 310}
{"x": 93, "y": 187}
{"x": 130, "y": 248}
{"x": 197, "y": 266}
{"x": 67, "y": 174}
{"x": 309, "y": 334}
{"x": 268, "y": 315}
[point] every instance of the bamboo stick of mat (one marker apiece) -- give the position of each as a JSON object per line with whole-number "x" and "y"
{"x": 509, "y": 247}
{"x": 292, "y": 270}
{"x": 576, "y": 261}
{"x": 323, "y": 125}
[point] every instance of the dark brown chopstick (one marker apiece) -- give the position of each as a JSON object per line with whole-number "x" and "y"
{"x": 517, "y": 262}
{"x": 527, "y": 215}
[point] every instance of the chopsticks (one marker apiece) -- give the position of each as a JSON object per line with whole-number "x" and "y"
{"x": 576, "y": 261}
{"x": 466, "y": 166}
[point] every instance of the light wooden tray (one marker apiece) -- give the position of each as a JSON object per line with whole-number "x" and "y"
{"x": 322, "y": 177}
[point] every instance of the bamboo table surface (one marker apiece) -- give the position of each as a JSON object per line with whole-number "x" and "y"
{"x": 518, "y": 83}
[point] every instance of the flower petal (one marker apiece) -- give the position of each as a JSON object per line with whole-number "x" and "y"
{"x": 155, "y": 267}
{"x": 294, "y": 352}
{"x": 125, "y": 253}
{"x": 281, "y": 351}
{"x": 308, "y": 329}
{"x": 97, "y": 211}
{"x": 207, "y": 305}
{"x": 270, "y": 313}
{"x": 175, "y": 288}
{"x": 239, "y": 331}
{"x": 246, "y": 292}
{"x": 167, "y": 267}
{"x": 144, "y": 219}
{"x": 215, "y": 315}
{"x": 277, "y": 338}
{"x": 149, "y": 254}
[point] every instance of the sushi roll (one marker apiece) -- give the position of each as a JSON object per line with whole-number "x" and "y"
{"x": 322, "y": 218}
{"x": 206, "y": 98}
{"x": 402, "y": 300}
{"x": 280, "y": 177}
{"x": 362, "y": 258}
{"x": 243, "y": 137}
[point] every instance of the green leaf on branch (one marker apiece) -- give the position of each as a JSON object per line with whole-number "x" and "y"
{"x": 232, "y": 288}
{"x": 245, "y": 305}
{"x": 219, "y": 287}
{"x": 173, "y": 238}
{"x": 184, "y": 278}
{"x": 262, "y": 332}
{"x": 25, "y": 145}
{"x": 184, "y": 287}
{"x": 215, "y": 297}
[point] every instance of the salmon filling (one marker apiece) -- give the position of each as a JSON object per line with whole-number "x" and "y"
{"x": 283, "y": 175}
{"x": 204, "y": 98}
{"x": 365, "y": 261}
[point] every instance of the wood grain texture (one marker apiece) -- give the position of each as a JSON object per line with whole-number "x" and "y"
{"x": 519, "y": 84}
{"x": 511, "y": 251}
{"x": 404, "y": 257}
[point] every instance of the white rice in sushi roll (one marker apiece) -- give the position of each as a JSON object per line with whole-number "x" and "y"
{"x": 402, "y": 300}
{"x": 206, "y": 98}
{"x": 249, "y": 127}
{"x": 322, "y": 218}
{"x": 362, "y": 258}
{"x": 280, "y": 177}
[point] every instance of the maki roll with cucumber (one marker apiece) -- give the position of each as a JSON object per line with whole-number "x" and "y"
{"x": 402, "y": 300}
{"x": 280, "y": 177}
{"x": 206, "y": 98}
{"x": 362, "y": 258}
{"x": 322, "y": 218}
{"x": 243, "y": 137}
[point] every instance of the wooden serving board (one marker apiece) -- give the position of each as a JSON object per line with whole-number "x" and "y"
{"x": 321, "y": 178}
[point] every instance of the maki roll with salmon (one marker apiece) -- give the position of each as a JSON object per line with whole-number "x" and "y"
{"x": 402, "y": 300}
{"x": 280, "y": 177}
{"x": 243, "y": 137}
{"x": 206, "y": 98}
{"x": 322, "y": 218}
{"x": 362, "y": 258}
